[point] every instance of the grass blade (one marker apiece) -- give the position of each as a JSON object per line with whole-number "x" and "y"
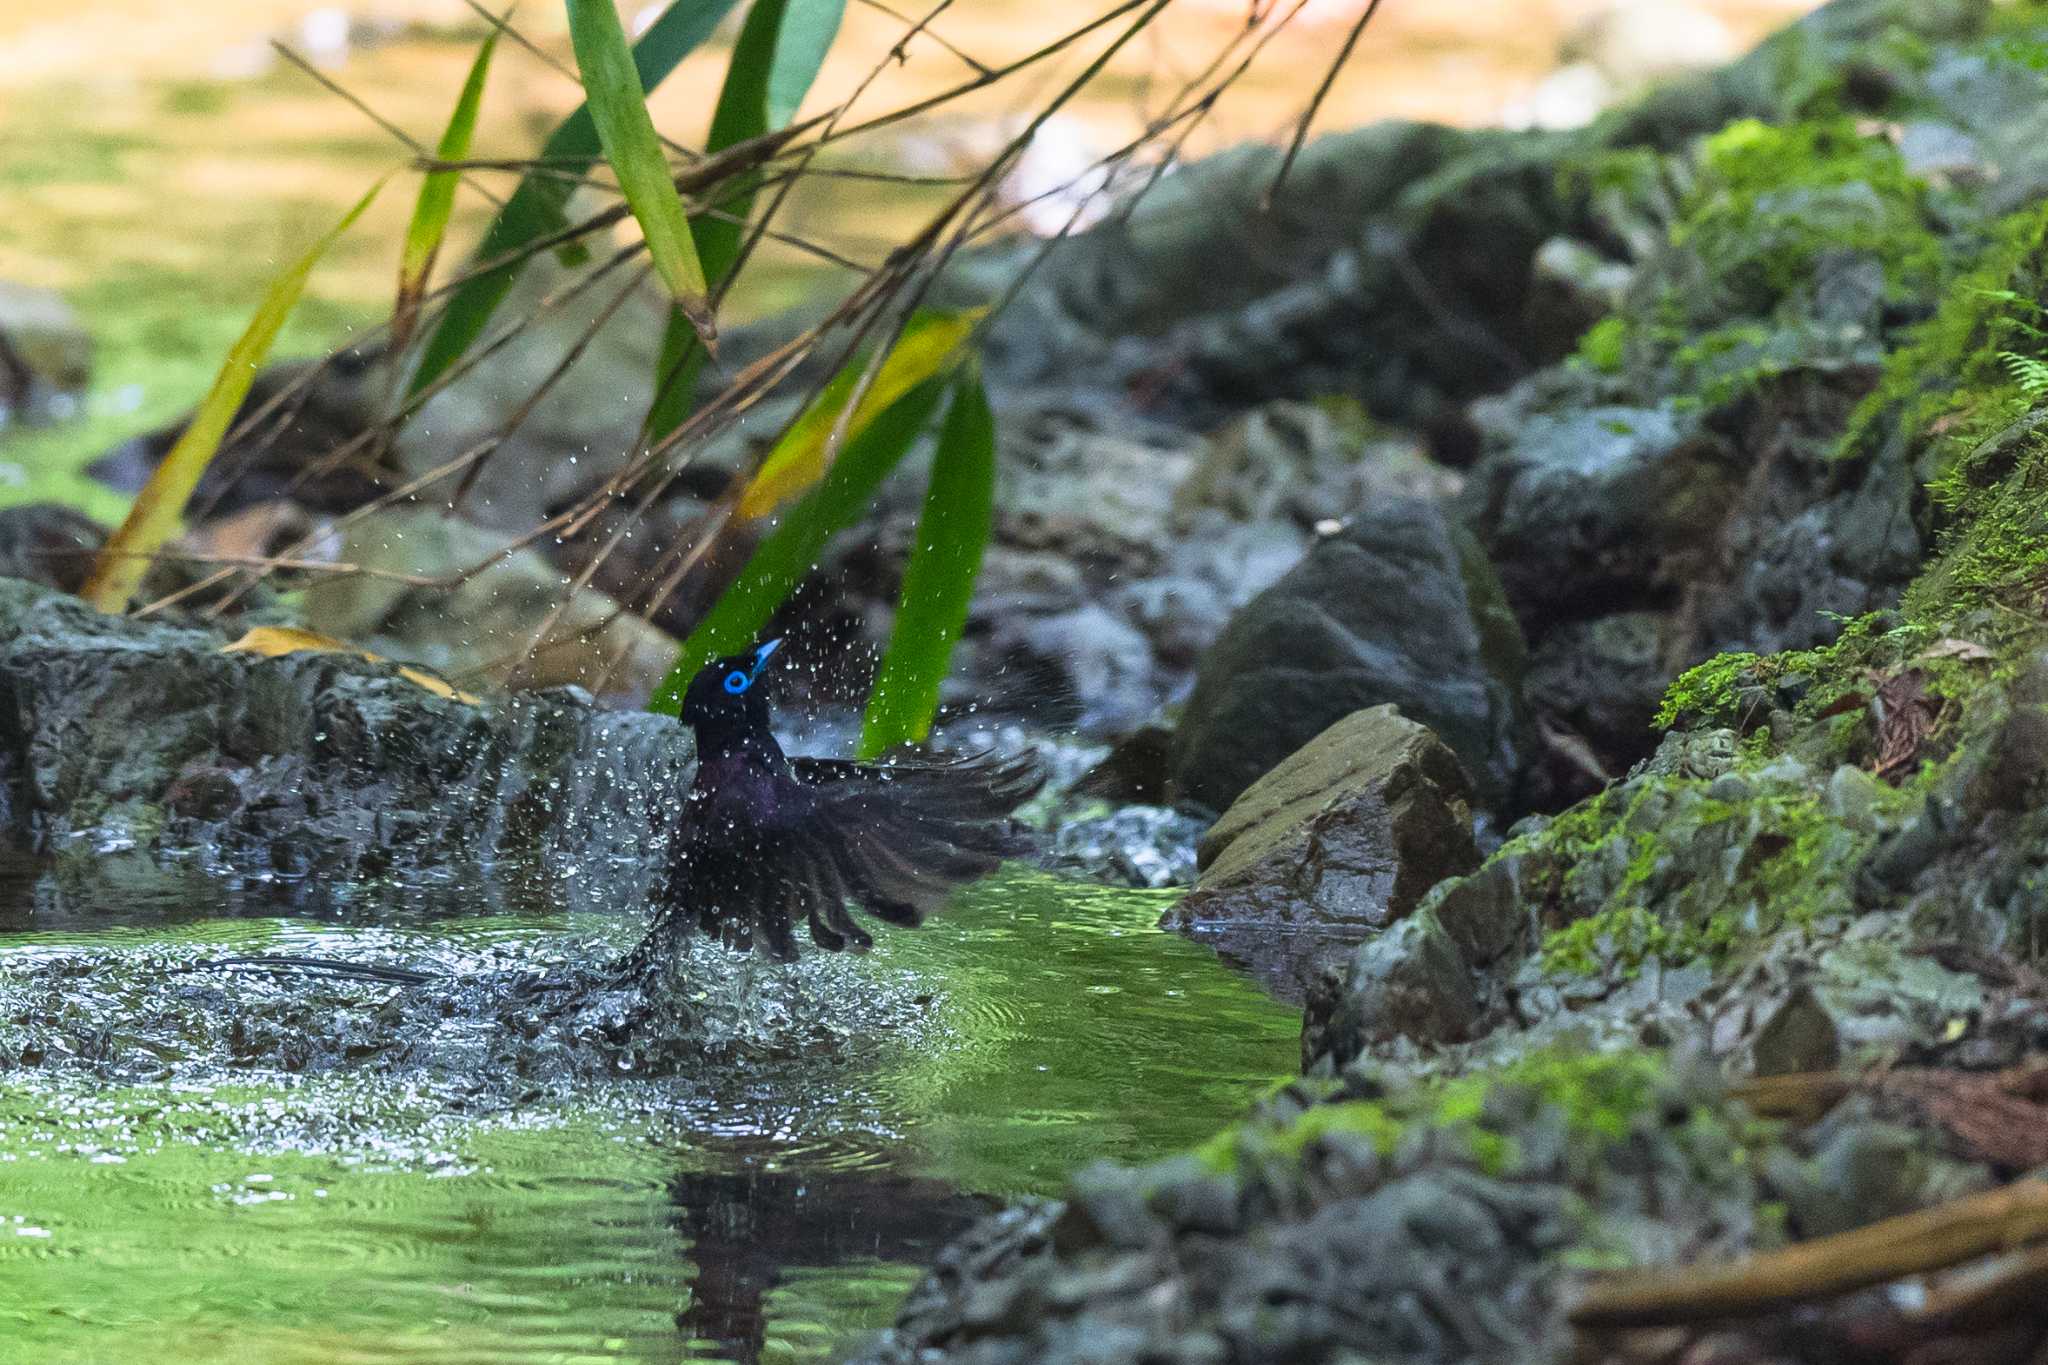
{"x": 780, "y": 48}
{"x": 938, "y": 583}
{"x": 430, "y": 213}
{"x": 792, "y": 549}
{"x": 618, "y": 108}
{"x": 124, "y": 561}
{"x": 536, "y": 207}
{"x": 930, "y": 345}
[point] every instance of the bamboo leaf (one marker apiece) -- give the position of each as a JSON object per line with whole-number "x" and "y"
{"x": 808, "y": 29}
{"x": 160, "y": 506}
{"x": 436, "y": 203}
{"x": 780, "y": 48}
{"x": 791, "y": 550}
{"x": 938, "y": 583}
{"x": 930, "y": 345}
{"x": 618, "y": 108}
{"x": 536, "y": 208}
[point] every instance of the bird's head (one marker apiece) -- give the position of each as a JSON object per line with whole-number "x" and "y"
{"x": 727, "y": 694}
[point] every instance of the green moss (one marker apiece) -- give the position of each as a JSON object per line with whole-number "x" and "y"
{"x": 1626, "y": 936}
{"x": 1771, "y": 200}
{"x": 1708, "y": 691}
{"x": 1603, "y": 345}
{"x": 1599, "y": 1095}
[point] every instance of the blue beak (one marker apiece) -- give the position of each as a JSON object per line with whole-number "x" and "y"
{"x": 763, "y": 655}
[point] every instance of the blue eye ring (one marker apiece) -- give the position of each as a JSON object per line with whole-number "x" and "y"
{"x": 737, "y": 682}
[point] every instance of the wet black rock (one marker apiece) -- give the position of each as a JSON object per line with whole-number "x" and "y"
{"x": 1399, "y": 608}
{"x": 120, "y": 734}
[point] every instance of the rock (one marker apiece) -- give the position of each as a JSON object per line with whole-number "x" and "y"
{"x": 1346, "y": 1220}
{"x": 317, "y": 408}
{"x": 1411, "y": 982}
{"x": 1397, "y": 609}
{"x": 1306, "y": 464}
{"x": 120, "y": 734}
{"x": 1596, "y": 506}
{"x": 1150, "y": 846}
{"x": 50, "y": 544}
{"x": 54, "y": 545}
{"x": 45, "y": 354}
{"x": 1342, "y": 838}
{"x": 481, "y": 628}
{"x": 1597, "y": 684}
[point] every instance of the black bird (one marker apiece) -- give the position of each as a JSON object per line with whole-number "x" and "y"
{"x": 765, "y": 841}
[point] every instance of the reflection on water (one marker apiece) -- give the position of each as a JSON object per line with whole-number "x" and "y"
{"x": 230, "y": 1209}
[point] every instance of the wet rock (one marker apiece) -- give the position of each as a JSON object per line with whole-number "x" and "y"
{"x": 1342, "y": 838}
{"x": 1397, "y": 609}
{"x": 1135, "y": 846}
{"x": 141, "y": 734}
{"x": 1596, "y": 683}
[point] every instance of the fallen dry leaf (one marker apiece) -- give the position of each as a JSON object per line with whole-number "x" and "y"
{"x": 1905, "y": 717}
{"x": 272, "y": 642}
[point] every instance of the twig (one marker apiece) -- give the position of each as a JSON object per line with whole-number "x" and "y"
{"x": 1308, "y": 115}
{"x": 1912, "y": 1244}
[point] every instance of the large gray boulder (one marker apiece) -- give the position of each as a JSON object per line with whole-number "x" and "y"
{"x": 119, "y": 735}
{"x": 1399, "y": 608}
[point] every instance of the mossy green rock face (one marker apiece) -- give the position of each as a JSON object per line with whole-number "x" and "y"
{"x": 1342, "y": 838}
{"x": 1353, "y": 1219}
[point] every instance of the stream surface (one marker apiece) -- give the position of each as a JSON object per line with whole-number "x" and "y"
{"x": 193, "y": 1190}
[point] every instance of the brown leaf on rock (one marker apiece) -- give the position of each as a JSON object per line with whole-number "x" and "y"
{"x": 1905, "y": 715}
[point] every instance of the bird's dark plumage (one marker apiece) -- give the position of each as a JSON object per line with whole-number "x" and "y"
{"x": 766, "y": 843}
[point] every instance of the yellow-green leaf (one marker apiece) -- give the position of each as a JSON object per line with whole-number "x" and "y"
{"x": 160, "y": 506}
{"x": 930, "y": 345}
{"x": 436, "y": 203}
{"x": 611, "y": 84}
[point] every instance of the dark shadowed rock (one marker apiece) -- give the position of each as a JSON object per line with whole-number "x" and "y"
{"x": 1341, "y": 839}
{"x": 1400, "y": 608}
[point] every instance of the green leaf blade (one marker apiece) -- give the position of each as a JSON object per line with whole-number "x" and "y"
{"x": 436, "y": 202}
{"x": 537, "y": 208}
{"x": 953, "y": 532}
{"x": 781, "y": 47}
{"x": 618, "y": 109}
{"x": 791, "y": 550}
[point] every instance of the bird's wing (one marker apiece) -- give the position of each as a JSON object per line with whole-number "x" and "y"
{"x": 893, "y": 839}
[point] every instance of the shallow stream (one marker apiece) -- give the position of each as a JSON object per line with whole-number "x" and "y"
{"x": 178, "y": 1183}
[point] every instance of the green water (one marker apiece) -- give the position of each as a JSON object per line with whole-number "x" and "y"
{"x": 224, "y": 1211}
